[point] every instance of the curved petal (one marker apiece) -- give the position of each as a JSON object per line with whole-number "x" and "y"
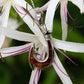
{"x": 11, "y": 51}
{"x": 5, "y": 15}
{"x": 4, "y": 21}
{"x": 65, "y": 79}
{"x": 69, "y": 46}
{"x": 63, "y": 14}
{"x": 29, "y": 21}
{"x": 21, "y": 36}
{"x": 25, "y": 5}
{"x": 50, "y": 14}
{"x": 80, "y": 4}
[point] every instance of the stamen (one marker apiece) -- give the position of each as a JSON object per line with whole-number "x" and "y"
{"x": 65, "y": 16}
{"x": 70, "y": 15}
{"x": 66, "y": 56}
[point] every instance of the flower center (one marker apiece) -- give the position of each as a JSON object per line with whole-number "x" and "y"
{"x": 5, "y": 1}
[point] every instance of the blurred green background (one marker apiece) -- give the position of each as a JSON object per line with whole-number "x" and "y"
{"x": 16, "y": 70}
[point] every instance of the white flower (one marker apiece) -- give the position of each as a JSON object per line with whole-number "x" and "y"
{"x": 39, "y": 40}
{"x": 68, "y": 46}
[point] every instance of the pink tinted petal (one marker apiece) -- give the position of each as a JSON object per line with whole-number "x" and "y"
{"x": 66, "y": 56}
{"x": 35, "y": 76}
{"x": 59, "y": 68}
{"x": 19, "y": 11}
{"x": 42, "y": 54}
{"x": 37, "y": 73}
{"x": 16, "y": 53}
{"x": 25, "y": 13}
{"x": 28, "y": 47}
{"x": 6, "y": 52}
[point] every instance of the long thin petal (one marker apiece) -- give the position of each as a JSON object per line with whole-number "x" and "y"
{"x": 4, "y": 21}
{"x": 63, "y": 14}
{"x": 80, "y": 4}
{"x": 69, "y": 46}
{"x": 11, "y": 51}
{"x": 50, "y": 14}
{"x": 65, "y": 79}
{"x": 17, "y": 35}
{"x": 23, "y": 3}
{"x": 29, "y": 21}
{"x": 34, "y": 76}
{"x": 5, "y": 15}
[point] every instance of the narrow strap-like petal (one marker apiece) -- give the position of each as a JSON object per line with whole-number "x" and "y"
{"x": 4, "y": 21}
{"x": 61, "y": 71}
{"x": 63, "y": 14}
{"x": 11, "y": 51}
{"x": 17, "y": 35}
{"x": 35, "y": 76}
{"x": 69, "y": 46}
{"x": 5, "y": 15}
{"x": 50, "y": 14}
